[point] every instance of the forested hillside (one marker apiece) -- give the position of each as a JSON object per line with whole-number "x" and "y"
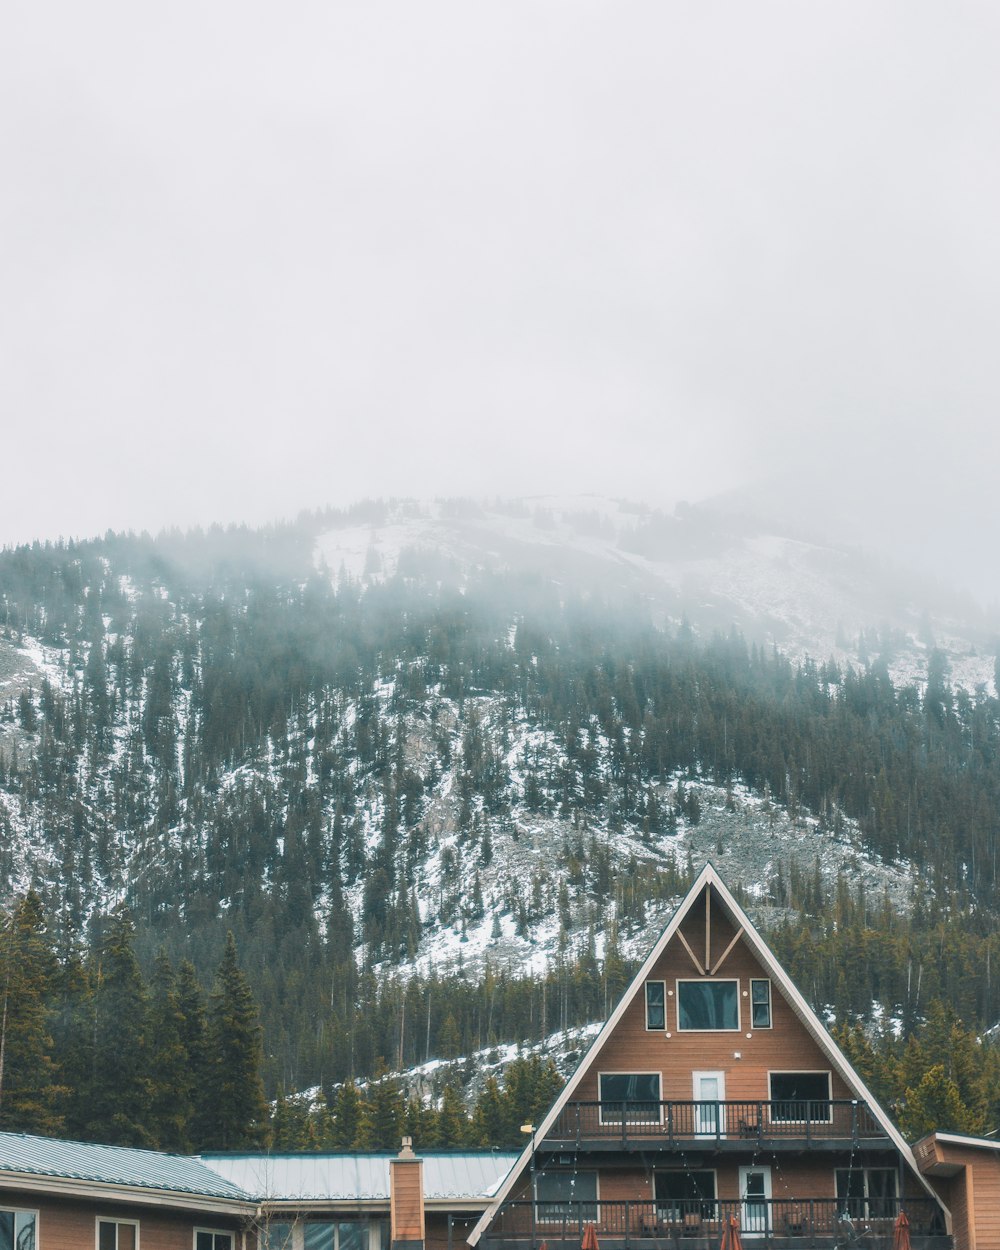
{"x": 207, "y": 734}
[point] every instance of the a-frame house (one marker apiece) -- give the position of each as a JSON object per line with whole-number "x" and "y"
{"x": 713, "y": 1091}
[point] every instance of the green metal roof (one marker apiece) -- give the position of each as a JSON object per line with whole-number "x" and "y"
{"x": 113, "y": 1165}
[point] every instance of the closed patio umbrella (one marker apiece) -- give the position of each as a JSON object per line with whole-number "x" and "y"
{"x": 731, "y": 1239}
{"x": 589, "y": 1241}
{"x": 901, "y": 1232}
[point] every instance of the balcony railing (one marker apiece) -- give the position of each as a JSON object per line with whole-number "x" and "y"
{"x": 811, "y": 1221}
{"x": 802, "y": 1121}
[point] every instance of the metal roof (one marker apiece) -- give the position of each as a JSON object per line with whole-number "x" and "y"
{"x": 112, "y": 1165}
{"x": 358, "y": 1178}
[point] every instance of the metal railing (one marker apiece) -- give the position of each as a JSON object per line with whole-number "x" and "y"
{"x": 801, "y": 1120}
{"x": 829, "y": 1221}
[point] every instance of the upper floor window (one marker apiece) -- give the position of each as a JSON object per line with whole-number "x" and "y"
{"x": 17, "y": 1229}
{"x": 708, "y": 1005}
{"x": 800, "y": 1096}
{"x": 760, "y": 1004}
{"x": 210, "y": 1239}
{"x": 117, "y": 1234}
{"x": 656, "y": 1005}
{"x": 632, "y": 1095}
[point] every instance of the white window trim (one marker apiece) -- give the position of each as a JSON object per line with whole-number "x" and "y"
{"x": 709, "y": 981}
{"x": 645, "y": 1000}
{"x": 216, "y": 1232}
{"x": 112, "y": 1219}
{"x": 558, "y": 1219}
{"x": 801, "y": 1072}
{"x": 770, "y": 1003}
{"x": 630, "y": 1072}
{"x": 24, "y": 1211}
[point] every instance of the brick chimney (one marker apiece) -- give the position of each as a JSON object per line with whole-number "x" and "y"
{"x": 406, "y": 1199}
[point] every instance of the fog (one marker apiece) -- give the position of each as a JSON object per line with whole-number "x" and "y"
{"x": 262, "y": 257}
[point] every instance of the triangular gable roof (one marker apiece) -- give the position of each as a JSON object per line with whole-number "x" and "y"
{"x": 707, "y": 878}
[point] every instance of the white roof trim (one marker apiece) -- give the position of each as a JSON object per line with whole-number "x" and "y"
{"x": 814, "y": 1026}
{"x": 959, "y": 1139}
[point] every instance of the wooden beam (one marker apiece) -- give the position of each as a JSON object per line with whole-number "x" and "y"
{"x": 708, "y": 926}
{"x": 694, "y": 957}
{"x": 725, "y": 954}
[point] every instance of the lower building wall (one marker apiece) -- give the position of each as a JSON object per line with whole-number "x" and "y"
{"x": 72, "y": 1225}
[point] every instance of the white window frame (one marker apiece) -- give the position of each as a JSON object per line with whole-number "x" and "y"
{"x": 770, "y": 1003}
{"x": 801, "y": 1072}
{"x": 112, "y": 1219}
{"x": 708, "y": 981}
{"x": 216, "y": 1232}
{"x": 559, "y": 1219}
{"x": 15, "y": 1211}
{"x": 630, "y": 1072}
{"x": 659, "y": 1028}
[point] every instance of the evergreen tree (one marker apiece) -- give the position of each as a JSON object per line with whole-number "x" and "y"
{"x": 171, "y": 1074}
{"x": 235, "y": 1107}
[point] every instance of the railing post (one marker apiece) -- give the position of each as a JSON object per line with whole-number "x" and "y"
{"x": 628, "y": 1221}
{"x": 760, "y": 1124}
{"x": 624, "y": 1105}
{"x": 854, "y": 1121}
{"x": 670, "y": 1124}
{"x": 812, "y": 1221}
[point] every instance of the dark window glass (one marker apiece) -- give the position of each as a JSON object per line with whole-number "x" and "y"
{"x": 107, "y": 1235}
{"x": 566, "y": 1196}
{"x": 685, "y": 1193}
{"x": 6, "y": 1230}
{"x": 800, "y": 1096}
{"x": 760, "y": 1004}
{"x": 636, "y": 1095}
{"x": 203, "y": 1241}
{"x": 656, "y": 1011}
{"x": 279, "y": 1237}
{"x": 708, "y": 1005}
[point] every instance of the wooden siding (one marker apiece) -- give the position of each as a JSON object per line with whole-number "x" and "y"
{"x": 973, "y": 1195}
{"x": 406, "y": 1186}
{"x": 72, "y": 1225}
{"x": 785, "y": 1047}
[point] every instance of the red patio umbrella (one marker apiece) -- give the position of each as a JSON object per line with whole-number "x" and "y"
{"x": 901, "y": 1232}
{"x": 731, "y": 1239}
{"x": 589, "y": 1241}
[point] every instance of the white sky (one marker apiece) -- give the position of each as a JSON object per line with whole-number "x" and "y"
{"x": 256, "y": 257}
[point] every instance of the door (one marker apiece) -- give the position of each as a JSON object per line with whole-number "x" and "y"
{"x": 755, "y": 1196}
{"x": 709, "y": 1095}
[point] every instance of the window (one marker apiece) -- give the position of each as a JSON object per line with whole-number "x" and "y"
{"x": 708, "y": 1005}
{"x": 559, "y": 1194}
{"x": 867, "y": 1193}
{"x": 632, "y": 1095}
{"x": 678, "y": 1194}
{"x": 209, "y": 1239}
{"x": 335, "y": 1235}
{"x": 800, "y": 1096}
{"x": 656, "y": 1005}
{"x": 117, "y": 1235}
{"x": 17, "y": 1229}
{"x": 277, "y": 1237}
{"x": 760, "y": 1004}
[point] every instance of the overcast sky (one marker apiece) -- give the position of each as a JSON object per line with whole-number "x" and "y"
{"x": 260, "y": 257}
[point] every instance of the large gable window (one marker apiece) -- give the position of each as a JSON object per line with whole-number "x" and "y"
{"x": 629, "y": 1097}
{"x": 708, "y": 1006}
{"x": 800, "y": 1096}
{"x": 17, "y": 1230}
{"x": 566, "y": 1196}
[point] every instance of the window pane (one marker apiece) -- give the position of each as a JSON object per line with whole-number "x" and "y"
{"x": 760, "y": 1000}
{"x": 279, "y": 1237}
{"x": 107, "y": 1235}
{"x": 352, "y": 1236}
{"x": 800, "y": 1096}
{"x": 25, "y": 1230}
{"x": 203, "y": 1241}
{"x": 685, "y": 1193}
{"x": 126, "y": 1237}
{"x": 560, "y": 1195}
{"x": 637, "y": 1094}
{"x": 319, "y": 1236}
{"x": 708, "y": 1005}
{"x": 656, "y": 1016}
{"x": 6, "y": 1230}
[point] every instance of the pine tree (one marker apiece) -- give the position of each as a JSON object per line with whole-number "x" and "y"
{"x": 235, "y": 1106}
{"x": 381, "y": 1116}
{"x": 193, "y": 1037}
{"x": 171, "y": 1076}
{"x": 29, "y": 1093}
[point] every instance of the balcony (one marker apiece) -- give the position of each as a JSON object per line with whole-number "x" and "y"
{"x": 786, "y": 1224}
{"x": 835, "y": 1124}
